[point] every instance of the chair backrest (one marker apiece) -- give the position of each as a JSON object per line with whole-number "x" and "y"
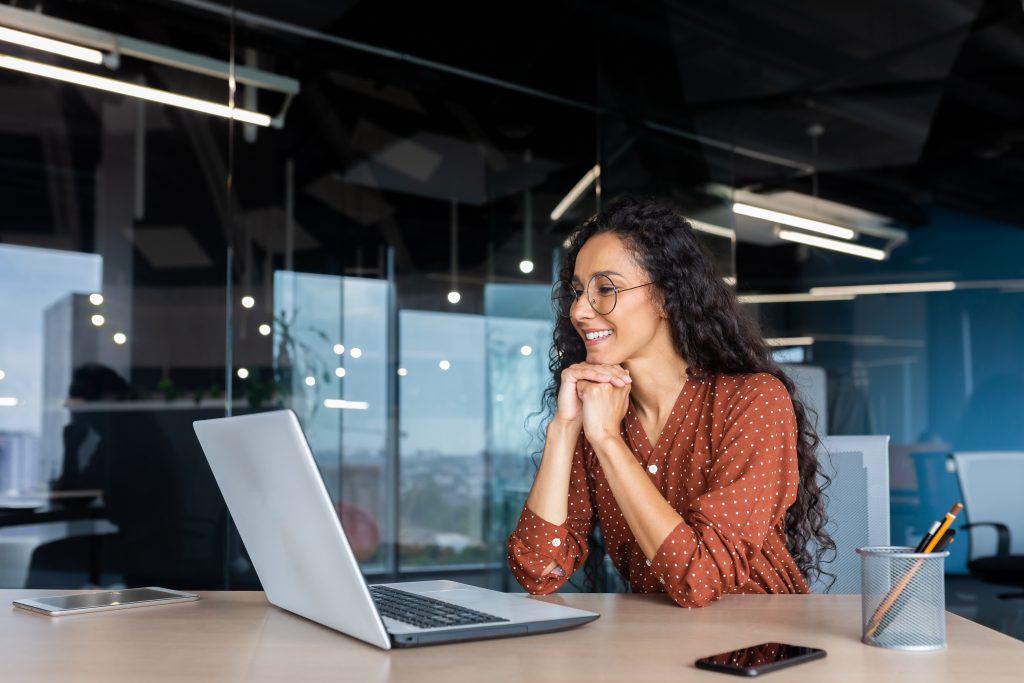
{"x": 991, "y": 484}
{"x": 857, "y": 506}
{"x": 810, "y": 384}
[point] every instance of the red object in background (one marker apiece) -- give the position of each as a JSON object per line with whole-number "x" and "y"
{"x": 361, "y": 529}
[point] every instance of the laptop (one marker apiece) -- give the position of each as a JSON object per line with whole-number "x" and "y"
{"x": 273, "y": 489}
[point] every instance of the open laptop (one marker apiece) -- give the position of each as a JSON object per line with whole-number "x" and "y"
{"x": 274, "y": 491}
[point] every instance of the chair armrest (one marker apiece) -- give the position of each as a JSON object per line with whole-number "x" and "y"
{"x": 1003, "y": 532}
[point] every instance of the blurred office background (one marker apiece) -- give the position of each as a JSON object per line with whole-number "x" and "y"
{"x": 372, "y": 245}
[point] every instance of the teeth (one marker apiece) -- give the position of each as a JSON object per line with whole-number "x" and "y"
{"x": 598, "y": 335}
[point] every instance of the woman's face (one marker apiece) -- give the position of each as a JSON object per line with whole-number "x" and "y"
{"x": 626, "y": 331}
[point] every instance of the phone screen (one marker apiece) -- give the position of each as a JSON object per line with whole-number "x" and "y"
{"x": 750, "y": 661}
{"x": 104, "y": 598}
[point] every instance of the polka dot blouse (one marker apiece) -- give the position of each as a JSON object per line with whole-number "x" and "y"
{"x": 726, "y": 461}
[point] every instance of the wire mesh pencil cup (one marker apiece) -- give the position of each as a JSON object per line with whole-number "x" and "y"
{"x": 903, "y": 598}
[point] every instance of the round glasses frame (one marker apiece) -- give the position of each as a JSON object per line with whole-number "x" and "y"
{"x": 564, "y": 296}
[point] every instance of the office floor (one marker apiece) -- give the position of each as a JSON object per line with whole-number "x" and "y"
{"x": 978, "y": 601}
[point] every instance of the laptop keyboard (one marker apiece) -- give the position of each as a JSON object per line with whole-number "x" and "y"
{"x": 425, "y": 612}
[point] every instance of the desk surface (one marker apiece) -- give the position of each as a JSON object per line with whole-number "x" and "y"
{"x": 237, "y": 636}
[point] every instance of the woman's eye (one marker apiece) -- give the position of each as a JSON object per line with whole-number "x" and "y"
{"x": 578, "y": 293}
{"x": 605, "y": 291}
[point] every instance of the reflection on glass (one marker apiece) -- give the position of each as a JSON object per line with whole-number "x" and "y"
{"x": 343, "y": 411}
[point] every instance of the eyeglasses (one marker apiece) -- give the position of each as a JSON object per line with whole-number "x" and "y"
{"x": 601, "y": 293}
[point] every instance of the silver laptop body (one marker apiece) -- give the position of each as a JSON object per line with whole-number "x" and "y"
{"x": 277, "y": 498}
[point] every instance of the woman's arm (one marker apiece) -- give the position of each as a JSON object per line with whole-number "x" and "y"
{"x": 550, "y": 541}
{"x": 549, "y": 496}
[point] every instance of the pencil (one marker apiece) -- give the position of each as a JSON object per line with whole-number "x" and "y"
{"x": 887, "y": 603}
{"x": 950, "y": 516}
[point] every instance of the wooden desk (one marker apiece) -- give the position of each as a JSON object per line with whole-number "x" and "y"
{"x": 237, "y": 636}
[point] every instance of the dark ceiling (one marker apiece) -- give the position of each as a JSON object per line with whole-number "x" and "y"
{"x": 916, "y": 104}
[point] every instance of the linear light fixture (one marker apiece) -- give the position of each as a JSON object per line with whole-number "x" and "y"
{"x": 789, "y": 341}
{"x": 898, "y": 288}
{"x": 346, "y": 405}
{"x": 67, "y": 38}
{"x": 131, "y": 90}
{"x": 712, "y": 229}
{"x": 834, "y": 245}
{"x": 574, "y": 194}
{"x": 57, "y": 47}
{"x": 8, "y": 401}
{"x": 791, "y": 298}
{"x": 794, "y": 221}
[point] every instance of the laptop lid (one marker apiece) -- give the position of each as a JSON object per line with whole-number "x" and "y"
{"x": 273, "y": 488}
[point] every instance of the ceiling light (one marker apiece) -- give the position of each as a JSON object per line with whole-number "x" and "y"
{"x": 8, "y": 401}
{"x": 444, "y": 365}
{"x": 345, "y": 405}
{"x": 94, "y": 45}
{"x": 356, "y": 352}
{"x": 57, "y": 47}
{"x": 526, "y": 266}
{"x": 402, "y": 372}
{"x": 242, "y": 373}
{"x": 789, "y": 341}
{"x": 833, "y": 245}
{"x": 310, "y": 381}
{"x": 795, "y": 221}
{"x": 711, "y": 229}
{"x": 2, "y": 374}
{"x": 339, "y": 372}
{"x": 265, "y": 329}
{"x": 899, "y": 288}
{"x": 131, "y": 90}
{"x": 339, "y": 349}
{"x": 97, "y": 320}
{"x": 454, "y": 297}
{"x": 248, "y": 301}
{"x": 526, "y": 350}
{"x": 120, "y": 338}
{"x": 791, "y": 298}
{"x": 575, "y": 193}
{"x": 96, "y": 299}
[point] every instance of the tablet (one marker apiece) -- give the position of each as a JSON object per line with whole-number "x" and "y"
{"x": 61, "y": 605}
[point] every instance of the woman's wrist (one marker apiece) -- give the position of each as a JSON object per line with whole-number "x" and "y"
{"x": 559, "y": 427}
{"x": 602, "y": 442}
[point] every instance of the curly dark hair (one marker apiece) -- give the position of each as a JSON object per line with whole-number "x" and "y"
{"x": 712, "y": 334}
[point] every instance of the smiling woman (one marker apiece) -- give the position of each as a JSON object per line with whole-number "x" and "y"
{"x": 670, "y": 426}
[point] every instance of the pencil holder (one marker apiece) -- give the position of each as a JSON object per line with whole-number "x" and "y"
{"x": 903, "y": 598}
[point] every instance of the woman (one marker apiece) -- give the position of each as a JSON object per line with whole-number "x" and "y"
{"x": 670, "y": 425}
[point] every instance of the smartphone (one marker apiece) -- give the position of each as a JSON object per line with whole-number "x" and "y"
{"x": 61, "y": 605}
{"x": 759, "y": 659}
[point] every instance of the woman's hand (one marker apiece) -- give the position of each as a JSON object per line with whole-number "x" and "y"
{"x": 604, "y": 406}
{"x": 570, "y": 402}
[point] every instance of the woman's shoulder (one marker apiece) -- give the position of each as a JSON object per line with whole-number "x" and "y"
{"x": 732, "y": 390}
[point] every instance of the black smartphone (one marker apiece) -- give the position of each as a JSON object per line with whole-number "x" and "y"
{"x": 759, "y": 659}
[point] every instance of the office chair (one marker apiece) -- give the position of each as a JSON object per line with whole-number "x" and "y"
{"x": 990, "y": 484}
{"x": 857, "y": 505}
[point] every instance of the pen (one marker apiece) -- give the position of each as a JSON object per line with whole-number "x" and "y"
{"x": 941, "y": 546}
{"x": 887, "y": 603}
{"x": 927, "y": 537}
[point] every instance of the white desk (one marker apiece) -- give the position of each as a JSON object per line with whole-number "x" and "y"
{"x": 237, "y": 636}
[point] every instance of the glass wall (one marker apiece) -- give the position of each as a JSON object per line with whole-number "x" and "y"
{"x": 379, "y": 260}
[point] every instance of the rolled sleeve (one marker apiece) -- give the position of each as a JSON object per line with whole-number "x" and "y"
{"x": 536, "y": 541}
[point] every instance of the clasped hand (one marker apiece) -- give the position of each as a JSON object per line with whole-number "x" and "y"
{"x": 596, "y": 397}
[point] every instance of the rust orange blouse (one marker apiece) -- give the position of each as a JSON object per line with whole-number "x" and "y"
{"x": 726, "y": 461}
